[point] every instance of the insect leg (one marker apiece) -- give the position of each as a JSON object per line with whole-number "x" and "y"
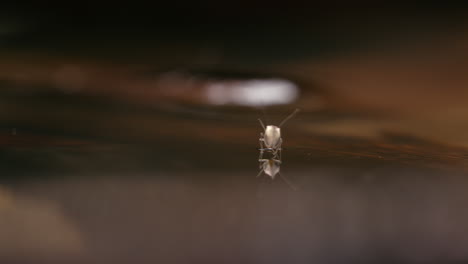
{"x": 260, "y": 140}
{"x": 289, "y": 117}
{"x": 288, "y": 182}
{"x": 259, "y": 173}
{"x": 278, "y": 149}
{"x": 261, "y": 123}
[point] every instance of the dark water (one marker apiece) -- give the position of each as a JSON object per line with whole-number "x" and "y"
{"x": 115, "y": 149}
{"x": 138, "y": 184}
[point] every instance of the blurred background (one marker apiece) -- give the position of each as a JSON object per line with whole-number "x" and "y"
{"x": 129, "y": 132}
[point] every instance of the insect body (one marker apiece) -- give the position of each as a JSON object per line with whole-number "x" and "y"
{"x": 270, "y": 139}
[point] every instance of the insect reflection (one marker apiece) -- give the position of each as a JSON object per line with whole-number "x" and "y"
{"x": 271, "y": 167}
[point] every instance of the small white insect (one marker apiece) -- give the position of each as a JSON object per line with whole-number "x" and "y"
{"x": 270, "y": 139}
{"x": 271, "y": 167}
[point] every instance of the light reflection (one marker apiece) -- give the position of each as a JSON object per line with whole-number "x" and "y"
{"x": 255, "y": 92}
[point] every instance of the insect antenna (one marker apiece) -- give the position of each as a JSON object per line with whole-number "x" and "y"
{"x": 288, "y": 182}
{"x": 265, "y": 116}
{"x": 289, "y": 117}
{"x": 261, "y": 123}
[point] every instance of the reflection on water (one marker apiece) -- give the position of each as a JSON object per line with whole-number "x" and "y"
{"x": 270, "y": 167}
{"x": 358, "y": 200}
{"x": 337, "y": 215}
{"x": 127, "y": 184}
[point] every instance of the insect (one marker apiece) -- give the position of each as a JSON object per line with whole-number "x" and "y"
{"x": 270, "y": 139}
{"x": 271, "y": 167}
